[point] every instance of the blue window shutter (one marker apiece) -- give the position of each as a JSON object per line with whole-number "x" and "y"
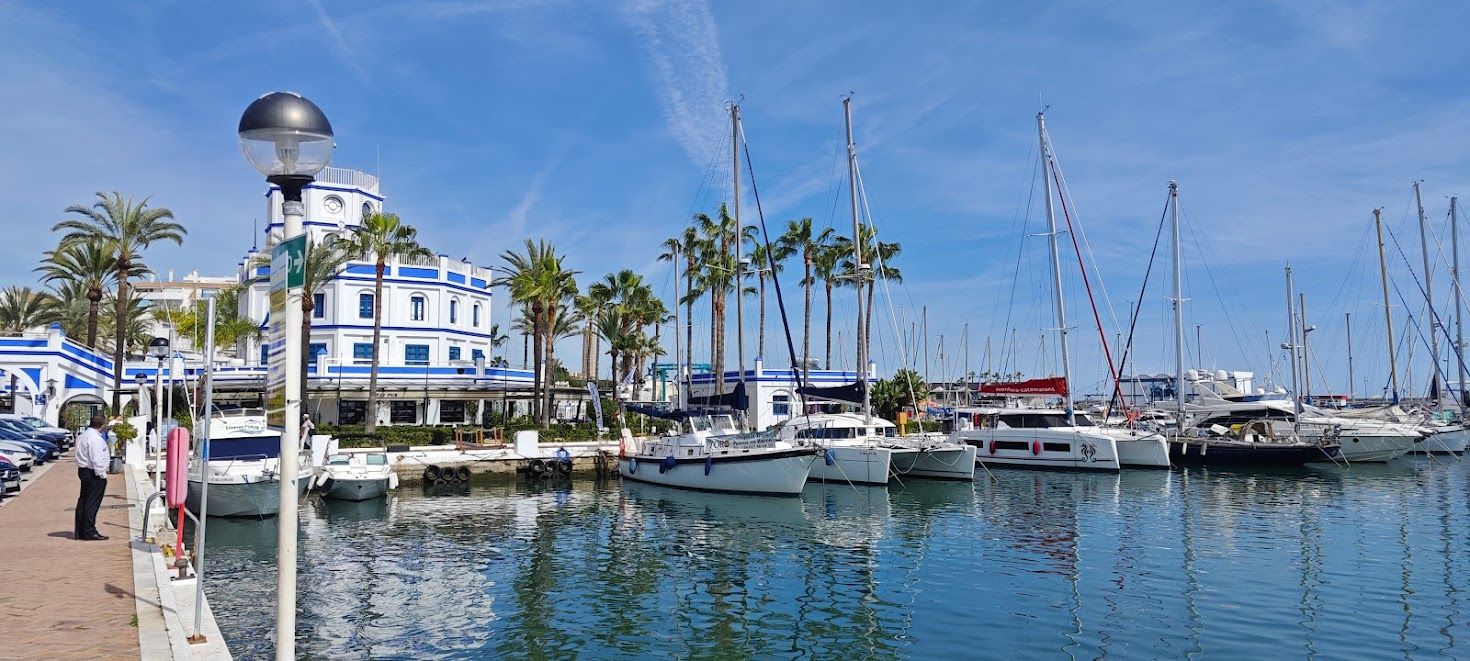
{"x": 476, "y": 354}
{"x": 454, "y": 353}
{"x": 265, "y": 354}
{"x": 318, "y": 306}
{"x": 416, "y": 354}
{"x": 315, "y": 350}
{"x": 365, "y": 306}
{"x": 362, "y": 352}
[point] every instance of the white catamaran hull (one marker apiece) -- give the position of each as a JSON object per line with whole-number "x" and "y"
{"x": 857, "y": 464}
{"x": 1142, "y": 451}
{"x": 781, "y": 473}
{"x": 356, "y": 489}
{"x": 1042, "y": 448}
{"x": 947, "y": 462}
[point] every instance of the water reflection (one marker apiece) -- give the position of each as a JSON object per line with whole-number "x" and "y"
{"x": 1321, "y": 561}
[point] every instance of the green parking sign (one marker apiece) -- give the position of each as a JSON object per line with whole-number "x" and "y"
{"x": 288, "y": 264}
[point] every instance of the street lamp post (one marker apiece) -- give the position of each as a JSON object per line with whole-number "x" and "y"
{"x": 157, "y": 348}
{"x": 288, "y": 139}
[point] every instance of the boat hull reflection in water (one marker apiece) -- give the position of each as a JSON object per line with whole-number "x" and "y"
{"x": 1224, "y": 563}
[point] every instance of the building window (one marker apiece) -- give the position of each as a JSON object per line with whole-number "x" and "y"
{"x": 476, "y": 354}
{"x": 417, "y": 305}
{"x": 403, "y": 413}
{"x": 416, "y": 354}
{"x": 364, "y": 306}
{"x": 367, "y": 209}
{"x": 318, "y": 306}
{"x": 352, "y": 412}
{"x": 265, "y": 354}
{"x": 454, "y": 311}
{"x": 451, "y": 412}
{"x": 362, "y": 353}
{"x": 454, "y": 353}
{"x": 781, "y": 405}
{"x": 475, "y": 315}
{"x": 316, "y": 349}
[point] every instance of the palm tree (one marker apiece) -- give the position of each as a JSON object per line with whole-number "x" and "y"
{"x": 122, "y": 229}
{"x": 824, "y": 268}
{"x": 690, "y": 245}
{"x": 22, "y": 308}
{"x": 323, "y": 262}
{"x": 135, "y": 330}
{"x": 229, "y": 327}
{"x": 382, "y": 237}
{"x": 767, "y": 262}
{"x": 716, "y": 279}
{"x": 879, "y": 259}
{"x": 89, "y": 266}
{"x": 538, "y": 282}
{"x": 801, "y": 239}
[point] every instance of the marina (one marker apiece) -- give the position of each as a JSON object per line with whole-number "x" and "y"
{"x": 1140, "y": 563}
{"x": 679, "y": 329}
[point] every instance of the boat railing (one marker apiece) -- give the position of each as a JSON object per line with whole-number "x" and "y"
{"x": 230, "y": 462}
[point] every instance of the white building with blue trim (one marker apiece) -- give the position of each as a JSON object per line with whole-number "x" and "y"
{"x": 435, "y": 350}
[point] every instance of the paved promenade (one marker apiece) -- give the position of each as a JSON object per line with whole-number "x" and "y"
{"x": 62, "y": 598}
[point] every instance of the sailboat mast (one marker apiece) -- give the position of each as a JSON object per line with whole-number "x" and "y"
{"x": 1393, "y": 371}
{"x": 1429, "y": 296}
{"x": 1056, "y": 269}
{"x": 1296, "y": 393}
{"x": 1178, "y": 302}
{"x": 1351, "y": 388}
{"x": 678, "y": 364}
{"x": 1459, "y": 302}
{"x": 859, "y": 267}
{"x": 1301, "y": 299}
{"x": 739, "y": 239}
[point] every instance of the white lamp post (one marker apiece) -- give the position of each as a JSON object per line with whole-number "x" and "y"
{"x": 289, "y": 140}
{"x": 158, "y": 349}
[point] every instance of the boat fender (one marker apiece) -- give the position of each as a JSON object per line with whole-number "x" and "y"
{"x": 829, "y": 458}
{"x": 393, "y": 480}
{"x": 323, "y": 479}
{"x": 1035, "y": 447}
{"x": 667, "y": 464}
{"x": 633, "y": 465}
{"x": 463, "y": 473}
{"x": 992, "y": 446}
{"x": 431, "y": 474}
{"x": 622, "y": 447}
{"x": 536, "y": 467}
{"x": 563, "y": 456}
{"x": 325, "y": 485}
{"x": 709, "y": 465}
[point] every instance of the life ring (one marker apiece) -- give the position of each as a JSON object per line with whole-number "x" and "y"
{"x": 462, "y": 473}
{"x": 1035, "y": 447}
{"x": 992, "y": 446}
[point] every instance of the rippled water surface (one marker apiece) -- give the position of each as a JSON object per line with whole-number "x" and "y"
{"x": 1362, "y": 563}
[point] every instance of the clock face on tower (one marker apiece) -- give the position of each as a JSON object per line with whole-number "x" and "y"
{"x": 333, "y": 204}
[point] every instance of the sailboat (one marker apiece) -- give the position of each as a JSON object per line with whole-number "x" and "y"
{"x": 1053, "y": 438}
{"x": 862, "y": 448}
{"x": 713, "y": 451}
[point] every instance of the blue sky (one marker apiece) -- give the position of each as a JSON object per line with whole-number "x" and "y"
{"x": 593, "y": 125}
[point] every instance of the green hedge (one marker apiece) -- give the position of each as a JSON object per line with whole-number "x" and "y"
{"x": 354, "y": 436}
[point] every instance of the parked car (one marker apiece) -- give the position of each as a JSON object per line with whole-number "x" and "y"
{"x": 63, "y": 437}
{"x": 47, "y": 451}
{"x": 21, "y": 459}
{"x": 9, "y": 477}
{"x": 25, "y": 429}
{"x": 22, "y": 455}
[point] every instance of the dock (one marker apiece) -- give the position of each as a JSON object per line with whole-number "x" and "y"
{"x": 107, "y": 599}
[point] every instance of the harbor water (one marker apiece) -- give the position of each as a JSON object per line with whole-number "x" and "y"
{"x": 1366, "y": 562}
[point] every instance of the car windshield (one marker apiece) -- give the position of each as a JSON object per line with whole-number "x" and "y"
{"x": 35, "y": 423}
{"x": 377, "y": 460}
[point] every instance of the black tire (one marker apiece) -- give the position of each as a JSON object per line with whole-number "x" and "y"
{"x": 432, "y": 474}
{"x": 536, "y": 467}
{"x": 564, "y": 467}
{"x": 462, "y": 473}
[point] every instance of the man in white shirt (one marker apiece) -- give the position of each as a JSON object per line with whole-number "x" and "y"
{"x": 93, "y": 459}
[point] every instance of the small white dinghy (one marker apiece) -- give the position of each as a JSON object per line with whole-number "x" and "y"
{"x": 356, "y": 476}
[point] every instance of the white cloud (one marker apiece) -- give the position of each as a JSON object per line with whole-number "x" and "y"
{"x": 683, "y": 46}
